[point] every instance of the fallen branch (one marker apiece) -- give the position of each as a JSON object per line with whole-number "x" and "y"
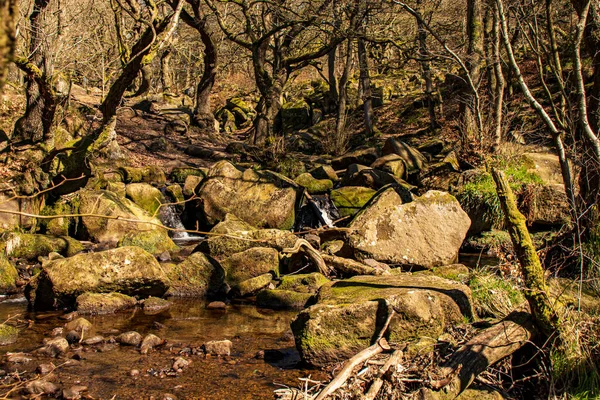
{"x": 312, "y": 253}
{"x": 394, "y": 360}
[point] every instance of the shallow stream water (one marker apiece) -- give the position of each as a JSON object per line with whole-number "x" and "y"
{"x": 106, "y": 369}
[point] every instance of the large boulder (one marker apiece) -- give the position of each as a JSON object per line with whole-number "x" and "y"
{"x": 350, "y": 199}
{"x": 350, "y": 313}
{"x": 250, "y": 264}
{"x": 427, "y": 232}
{"x": 262, "y": 199}
{"x": 114, "y": 217}
{"x": 364, "y": 156}
{"x": 413, "y": 159}
{"x": 146, "y": 196}
{"x": 154, "y": 242}
{"x": 295, "y": 115}
{"x": 31, "y": 246}
{"x": 548, "y": 205}
{"x": 128, "y": 270}
{"x": 8, "y": 276}
{"x": 197, "y": 276}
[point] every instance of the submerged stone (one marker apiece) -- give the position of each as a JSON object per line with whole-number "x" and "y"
{"x": 104, "y": 303}
{"x": 197, "y": 276}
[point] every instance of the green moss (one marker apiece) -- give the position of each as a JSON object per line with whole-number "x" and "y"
{"x": 303, "y": 283}
{"x": 104, "y": 303}
{"x": 283, "y": 299}
{"x": 253, "y": 285}
{"x": 150, "y": 174}
{"x": 178, "y": 175}
{"x": 32, "y": 246}
{"x": 313, "y": 185}
{"x": 8, "y": 334}
{"x": 197, "y": 276}
{"x": 145, "y": 196}
{"x": 494, "y": 296}
{"x": 154, "y": 242}
{"x": 8, "y": 276}
{"x": 350, "y": 199}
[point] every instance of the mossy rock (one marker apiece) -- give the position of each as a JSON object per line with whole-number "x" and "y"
{"x": 455, "y": 272}
{"x": 392, "y": 164}
{"x": 146, "y": 196}
{"x": 226, "y": 120}
{"x": 179, "y": 175}
{"x": 325, "y": 172}
{"x": 250, "y": 264}
{"x": 155, "y": 305}
{"x": 349, "y": 313}
{"x": 118, "y": 188}
{"x": 31, "y": 246}
{"x": 60, "y": 226}
{"x": 154, "y": 242}
{"x": 303, "y": 283}
{"x": 364, "y": 156}
{"x": 8, "y": 334}
{"x": 190, "y": 185}
{"x": 313, "y": 185}
{"x": 8, "y": 276}
{"x": 197, "y": 276}
{"x": 283, "y": 299}
{"x": 253, "y": 285}
{"x": 295, "y": 115}
{"x": 350, "y": 199}
{"x": 104, "y": 303}
{"x": 237, "y": 102}
{"x": 413, "y": 159}
{"x": 128, "y": 270}
{"x": 150, "y": 174}
{"x": 176, "y": 193}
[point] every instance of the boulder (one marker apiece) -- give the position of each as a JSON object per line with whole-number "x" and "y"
{"x": 131, "y": 338}
{"x": 365, "y": 156}
{"x": 218, "y": 347}
{"x": 325, "y": 172}
{"x": 8, "y": 276}
{"x": 197, "y": 276}
{"x": 350, "y": 199}
{"x": 312, "y": 184}
{"x": 155, "y": 305}
{"x": 111, "y": 230}
{"x": 190, "y": 184}
{"x": 145, "y": 196}
{"x": 413, "y": 159}
{"x": 253, "y": 285}
{"x": 263, "y": 199}
{"x": 233, "y": 235}
{"x": 303, "y": 283}
{"x": 283, "y": 299}
{"x": 432, "y": 146}
{"x": 393, "y": 164}
{"x": 427, "y": 232}
{"x": 548, "y": 206}
{"x": 32, "y": 246}
{"x": 375, "y": 179}
{"x": 8, "y": 334}
{"x": 250, "y": 264}
{"x": 295, "y": 115}
{"x": 104, "y": 303}
{"x": 150, "y": 174}
{"x": 350, "y": 313}
{"x": 128, "y": 270}
{"x": 60, "y": 226}
{"x": 179, "y": 175}
{"x": 154, "y": 241}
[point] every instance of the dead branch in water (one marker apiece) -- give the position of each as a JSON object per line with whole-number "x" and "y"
{"x": 312, "y": 253}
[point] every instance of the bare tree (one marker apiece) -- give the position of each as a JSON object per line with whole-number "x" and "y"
{"x": 8, "y": 14}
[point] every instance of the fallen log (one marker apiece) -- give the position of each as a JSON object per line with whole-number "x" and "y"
{"x": 394, "y": 360}
{"x": 488, "y": 347}
{"x": 349, "y": 267}
{"x": 312, "y": 253}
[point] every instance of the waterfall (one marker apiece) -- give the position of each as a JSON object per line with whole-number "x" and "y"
{"x": 171, "y": 219}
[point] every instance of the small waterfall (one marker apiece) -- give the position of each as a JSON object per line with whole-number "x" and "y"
{"x": 170, "y": 218}
{"x": 317, "y": 211}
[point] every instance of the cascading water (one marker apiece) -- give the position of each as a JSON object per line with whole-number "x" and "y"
{"x": 170, "y": 218}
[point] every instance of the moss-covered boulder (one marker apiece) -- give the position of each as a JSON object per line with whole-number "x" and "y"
{"x": 253, "y": 285}
{"x": 283, "y": 299}
{"x": 8, "y": 334}
{"x": 427, "y": 232}
{"x": 233, "y": 235}
{"x": 60, "y": 226}
{"x": 179, "y": 175}
{"x": 413, "y": 159}
{"x": 154, "y": 242}
{"x": 350, "y": 313}
{"x": 262, "y": 199}
{"x": 104, "y": 303}
{"x": 295, "y": 115}
{"x": 325, "y": 172}
{"x": 175, "y": 191}
{"x": 190, "y": 185}
{"x": 31, "y": 246}
{"x": 197, "y": 276}
{"x": 128, "y": 270}
{"x": 114, "y": 217}
{"x": 312, "y": 184}
{"x": 250, "y": 264}
{"x": 373, "y": 178}
{"x": 392, "y": 164}
{"x": 145, "y": 196}
{"x": 150, "y": 174}
{"x": 303, "y": 283}
{"x": 364, "y": 156}
{"x": 226, "y": 120}
{"x": 8, "y": 276}
{"x": 350, "y": 199}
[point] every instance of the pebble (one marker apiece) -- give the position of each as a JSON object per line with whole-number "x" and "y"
{"x": 180, "y": 363}
{"x": 57, "y": 332}
{"x": 18, "y": 357}
{"x": 41, "y": 386}
{"x": 218, "y": 347}
{"x": 45, "y": 369}
{"x": 55, "y": 347}
{"x": 94, "y": 340}
{"x": 74, "y": 392}
{"x": 130, "y": 338}
{"x": 149, "y": 342}
{"x": 216, "y": 305}
{"x": 134, "y": 372}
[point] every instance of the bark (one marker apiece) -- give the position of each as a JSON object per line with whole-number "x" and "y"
{"x": 334, "y": 93}
{"x": 145, "y": 81}
{"x": 8, "y": 15}
{"x": 166, "y": 75}
{"x": 498, "y": 77}
{"x": 536, "y": 291}
{"x": 36, "y": 124}
{"x": 340, "y": 120}
{"x": 365, "y": 82}
{"x": 426, "y": 67}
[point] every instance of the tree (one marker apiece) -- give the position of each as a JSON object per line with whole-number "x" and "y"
{"x": 8, "y": 13}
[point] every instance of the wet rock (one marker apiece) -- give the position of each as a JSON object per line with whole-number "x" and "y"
{"x": 349, "y": 313}
{"x": 283, "y": 299}
{"x": 18, "y": 358}
{"x": 73, "y": 337}
{"x": 104, "y": 303}
{"x": 180, "y": 363}
{"x": 33, "y": 246}
{"x": 250, "y": 264}
{"x": 155, "y": 305}
{"x": 218, "y": 347}
{"x": 130, "y": 338}
{"x": 8, "y": 334}
{"x": 55, "y": 347}
{"x": 253, "y": 285}
{"x": 45, "y": 369}
{"x": 197, "y": 276}
{"x": 350, "y": 199}
{"x": 150, "y": 341}
{"x": 80, "y": 325}
{"x": 216, "y": 305}
{"x": 41, "y": 387}
{"x": 129, "y": 270}
{"x": 427, "y": 232}
{"x": 8, "y": 276}
{"x": 74, "y": 392}
{"x": 263, "y": 199}
{"x": 145, "y": 196}
{"x": 312, "y": 184}
{"x": 94, "y": 340}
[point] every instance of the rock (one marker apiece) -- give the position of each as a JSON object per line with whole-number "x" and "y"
{"x": 94, "y": 340}
{"x": 347, "y": 267}
{"x": 8, "y": 276}
{"x": 80, "y": 325}
{"x": 544, "y": 165}
{"x": 74, "y": 392}
{"x": 313, "y": 185}
{"x": 154, "y": 242}
{"x": 11, "y": 222}
{"x": 145, "y": 196}
{"x": 413, "y": 159}
{"x": 175, "y": 191}
{"x": 190, "y": 184}
{"x": 433, "y": 146}
{"x": 427, "y": 232}
{"x": 59, "y": 226}
{"x": 295, "y": 115}
{"x": 549, "y": 205}
{"x": 56, "y": 347}
{"x": 333, "y": 247}
{"x": 283, "y": 299}
{"x": 118, "y": 188}
{"x": 18, "y": 358}
{"x": 180, "y": 363}
{"x": 40, "y": 387}
{"x": 128, "y": 270}
{"x": 104, "y": 303}
{"x": 303, "y": 283}
{"x": 250, "y": 264}
{"x": 349, "y": 313}
{"x": 325, "y": 172}
{"x": 262, "y": 199}
{"x": 32, "y": 246}
{"x": 392, "y": 164}
{"x": 179, "y": 175}
{"x": 226, "y": 120}
{"x": 197, "y": 276}
{"x": 218, "y": 347}
{"x": 111, "y": 231}
{"x": 350, "y": 199}
{"x": 375, "y": 179}
{"x": 8, "y": 334}
{"x": 150, "y": 174}
{"x": 150, "y": 341}
{"x": 225, "y": 242}
{"x": 360, "y": 156}
{"x": 216, "y": 305}
{"x": 73, "y": 337}
{"x": 155, "y": 305}
{"x": 57, "y": 331}
{"x": 45, "y": 369}
{"x": 130, "y": 338}
{"x": 253, "y": 285}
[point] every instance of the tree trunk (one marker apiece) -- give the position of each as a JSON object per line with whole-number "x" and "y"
{"x": 536, "y": 290}
{"x": 365, "y": 82}
{"x": 340, "y": 141}
{"x": 8, "y": 14}
{"x": 498, "y": 77}
{"x": 426, "y": 67}
{"x": 145, "y": 81}
{"x": 334, "y": 93}
{"x": 166, "y": 75}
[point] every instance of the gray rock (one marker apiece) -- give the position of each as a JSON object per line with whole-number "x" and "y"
{"x": 218, "y": 347}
